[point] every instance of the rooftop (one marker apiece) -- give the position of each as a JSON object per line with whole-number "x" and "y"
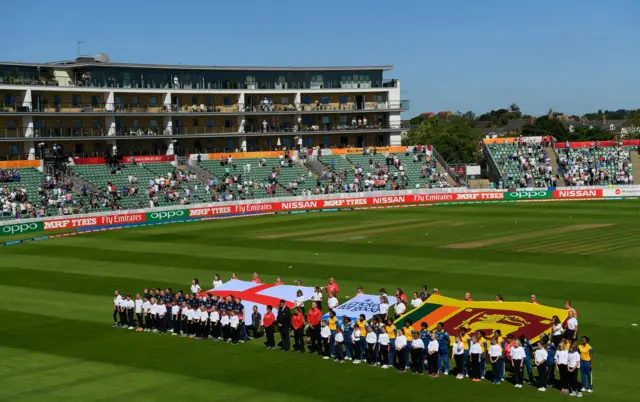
{"x": 103, "y": 61}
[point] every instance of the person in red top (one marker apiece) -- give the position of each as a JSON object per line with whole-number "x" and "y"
{"x": 267, "y": 321}
{"x": 279, "y": 281}
{"x": 400, "y": 295}
{"x": 297, "y": 321}
{"x": 256, "y": 278}
{"x": 234, "y": 276}
{"x": 467, "y": 297}
{"x": 332, "y": 287}
{"x": 534, "y": 299}
{"x": 314, "y": 316}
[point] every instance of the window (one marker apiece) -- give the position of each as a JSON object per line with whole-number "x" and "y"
{"x": 13, "y": 149}
{"x": 343, "y": 120}
{"x": 209, "y": 100}
{"x": 325, "y": 100}
{"x": 153, "y": 101}
{"x": 12, "y": 124}
{"x": 326, "y": 140}
{"x": 79, "y": 148}
{"x": 379, "y": 98}
{"x": 342, "y": 99}
{"x": 194, "y": 100}
{"x": 136, "y": 123}
{"x": 95, "y": 124}
{"x": 77, "y": 124}
{"x": 306, "y": 100}
{"x": 211, "y": 123}
{"x": 286, "y": 142}
{"x": 196, "y": 122}
{"x": 135, "y": 100}
{"x": 227, "y": 123}
{"x": 75, "y": 100}
{"x": 325, "y": 119}
{"x": 95, "y": 102}
{"x": 153, "y": 124}
{"x": 228, "y": 101}
{"x": 344, "y": 141}
{"x": 284, "y": 100}
{"x": 307, "y": 142}
{"x": 230, "y": 143}
{"x": 56, "y": 99}
{"x": 306, "y": 121}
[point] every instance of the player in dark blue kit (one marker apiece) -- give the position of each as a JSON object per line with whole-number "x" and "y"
{"x": 238, "y": 308}
{"x": 527, "y": 359}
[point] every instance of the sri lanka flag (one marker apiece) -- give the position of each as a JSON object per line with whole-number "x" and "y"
{"x": 516, "y": 318}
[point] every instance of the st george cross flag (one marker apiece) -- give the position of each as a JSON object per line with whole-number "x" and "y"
{"x": 369, "y": 305}
{"x": 261, "y": 295}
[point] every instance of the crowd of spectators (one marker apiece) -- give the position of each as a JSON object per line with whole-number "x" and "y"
{"x": 595, "y": 165}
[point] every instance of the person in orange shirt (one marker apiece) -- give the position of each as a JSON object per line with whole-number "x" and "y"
{"x": 467, "y": 297}
{"x": 534, "y": 299}
{"x": 567, "y": 306}
{"x": 332, "y": 287}
{"x": 279, "y": 281}
{"x": 297, "y": 322}
{"x": 256, "y": 278}
{"x": 267, "y": 321}
{"x": 314, "y": 316}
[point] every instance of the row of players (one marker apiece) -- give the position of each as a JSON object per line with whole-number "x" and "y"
{"x": 377, "y": 343}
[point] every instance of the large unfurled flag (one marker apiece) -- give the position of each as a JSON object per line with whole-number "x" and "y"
{"x": 261, "y": 295}
{"x": 369, "y": 305}
{"x": 516, "y": 318}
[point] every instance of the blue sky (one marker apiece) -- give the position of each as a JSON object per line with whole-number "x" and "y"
{"x": 574, "y": 56}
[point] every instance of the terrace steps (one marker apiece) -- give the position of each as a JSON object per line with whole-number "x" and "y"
{"x": 635, "y": 161}
{"x": 441, "y": 168}
{"x": 554, "y": 159}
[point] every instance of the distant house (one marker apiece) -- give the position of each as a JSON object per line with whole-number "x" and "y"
{"x": 513, "y": 127}
{"x": 614, "y": 126}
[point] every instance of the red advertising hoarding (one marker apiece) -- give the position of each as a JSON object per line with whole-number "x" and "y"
{"x": 591, "y": 193}
{"x": 89, "y": 221}
{"x": 343, "y": 203}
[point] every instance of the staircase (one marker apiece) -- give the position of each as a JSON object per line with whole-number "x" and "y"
{"x": 554, "y": 162}
{"x": 635, "y": 161}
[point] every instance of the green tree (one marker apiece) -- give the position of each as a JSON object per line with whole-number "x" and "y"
{"x": 457, "y": 141}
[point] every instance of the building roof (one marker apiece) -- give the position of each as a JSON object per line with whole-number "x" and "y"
{"x": 91, "y": 62}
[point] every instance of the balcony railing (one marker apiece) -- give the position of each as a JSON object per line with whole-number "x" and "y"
{"x": 106, "y": 133}
{"x": 45, "y": 107}
{"x": 198, "y": 84}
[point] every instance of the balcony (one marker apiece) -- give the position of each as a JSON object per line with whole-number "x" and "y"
{"x": 203, "y": 84}
{"x": 20, "y": 108}
{"x": 72, "y": 134}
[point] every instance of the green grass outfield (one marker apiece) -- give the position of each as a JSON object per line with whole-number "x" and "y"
{"x": 57, "y": 343}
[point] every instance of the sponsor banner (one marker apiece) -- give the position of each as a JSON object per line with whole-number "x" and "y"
{"x": 89, "y": 161}
{"x": 515, "y": 318}
{"x": 106, "y": 220}
{"x": 125, "y": 159}
{"x": 173, "y": 214}
{"x": 236, "y": 155}
{"x": 19, "y": 228}
{"x": 149, "y": 158}
{"x": 19, "y": 164}
{"x": 260, "y": 295}
{"x": 587, "y": 144}
{"x": 620, "y": 192}
{"x": 352, "y": 151}
{"x": 369, "y": 305}
{"x": 528, "y": 195}
{"x": 577, "y": 193}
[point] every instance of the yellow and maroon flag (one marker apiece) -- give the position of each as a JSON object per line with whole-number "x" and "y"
{"x": 516, "y": 318}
